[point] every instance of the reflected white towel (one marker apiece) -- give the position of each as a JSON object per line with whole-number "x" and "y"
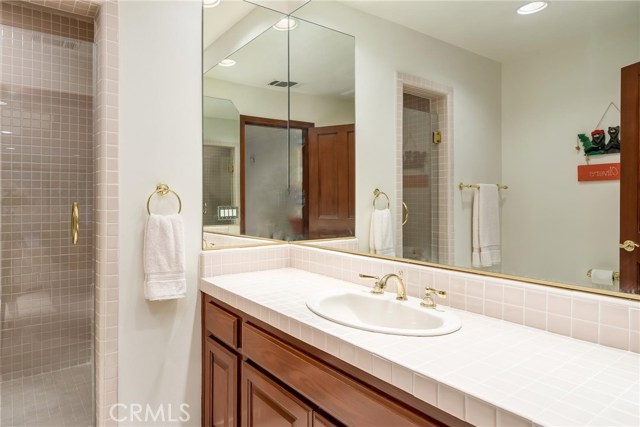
{"x": 164, "y": 259}
{"x": 486, "y": 226}
{"x": 381, "y": 233}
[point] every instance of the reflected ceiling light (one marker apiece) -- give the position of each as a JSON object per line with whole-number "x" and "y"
{"x": 286, "y": 24}
{"x": 227, "y": 63}
{"x": 533, "y": 7}
{"x": 6, "y": 132}
{"x": 2, "y": 103}
{"x": 210, "y": 3}
{"x": 11, "y": 148}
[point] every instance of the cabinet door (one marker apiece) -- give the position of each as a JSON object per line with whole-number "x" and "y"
{"x": 266, "y": 404}
{"x": 220, "y": 372}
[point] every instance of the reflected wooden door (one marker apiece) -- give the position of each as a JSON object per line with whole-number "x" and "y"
{"x": 331, "y": 181}
{"x": 630, "y": 176}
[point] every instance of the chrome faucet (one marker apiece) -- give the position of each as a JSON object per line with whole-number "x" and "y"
{"x": 381, "y": 284}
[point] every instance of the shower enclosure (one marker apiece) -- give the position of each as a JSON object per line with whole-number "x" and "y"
{"x": 46, "y": 166}
{"x": 420, "y": 174}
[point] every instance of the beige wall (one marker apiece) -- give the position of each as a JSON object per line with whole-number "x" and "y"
{"x": 160, "y": 141}
{"x": 556, "y": 228}
{"x": 384, "y": 48}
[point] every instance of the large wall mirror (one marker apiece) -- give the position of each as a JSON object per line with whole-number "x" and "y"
{"x": 451, "y": 93}
{"x": 279, "y": 130}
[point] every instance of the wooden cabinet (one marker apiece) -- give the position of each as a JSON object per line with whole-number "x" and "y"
{"x": 220, "y": 394}
{"x": 256, "y": 376}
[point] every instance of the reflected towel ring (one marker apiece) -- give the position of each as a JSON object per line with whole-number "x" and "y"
{"x": 377, "y": 193}
{"x": 163, "y": 190}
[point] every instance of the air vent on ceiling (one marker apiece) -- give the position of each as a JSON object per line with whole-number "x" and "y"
{"x": 279, "y": 83}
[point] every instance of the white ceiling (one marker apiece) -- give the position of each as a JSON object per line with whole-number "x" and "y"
{"x": 488, "y": 28}
{"x": 493, "y": 28}
{"x": 217, "y": 20}
{"x": 321, "y": 61}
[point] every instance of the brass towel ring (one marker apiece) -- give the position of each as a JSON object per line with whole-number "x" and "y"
{"x": 377, "y": 193}
{"x": 163, "y": 190}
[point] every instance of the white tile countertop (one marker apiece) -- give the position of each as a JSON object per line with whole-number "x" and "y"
{"x": 490, "y": 372}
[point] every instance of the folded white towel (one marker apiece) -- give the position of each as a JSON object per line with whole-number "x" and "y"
{"x": 381, "y": 233}
{"x": 164, "y": 259}
{"x": 486, "y": 226}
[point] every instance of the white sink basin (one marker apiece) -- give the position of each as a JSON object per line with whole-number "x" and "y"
{"x": 383, "y": 313}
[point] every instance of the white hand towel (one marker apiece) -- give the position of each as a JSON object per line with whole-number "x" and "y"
{"x": 381, "y": 233}
{"x": 486, "y": 226}
{"x": 164, "y": 259}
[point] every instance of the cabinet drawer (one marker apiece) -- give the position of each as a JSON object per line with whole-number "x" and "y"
{"x": 222, "y": 324}
{"x": 335, "y": 393}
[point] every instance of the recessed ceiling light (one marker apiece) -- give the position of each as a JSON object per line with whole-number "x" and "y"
{"x": 6, "y": 132}
{"x": 210, "y": 3}
{"x": 2, "y": 103}
{"x": 227, "y": 63}
{"x": 286, "y": 24}
{"x": 533, "y": 7}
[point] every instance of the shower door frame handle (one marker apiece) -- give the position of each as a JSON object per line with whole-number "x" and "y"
{"x": 75, "y": 222}
{"x": 405, "y": 210}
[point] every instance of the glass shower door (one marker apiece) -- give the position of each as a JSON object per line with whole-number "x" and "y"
{"x": 420, "y": 180}
{"x": 46, "y": 288}
{"x": 273, "y": 175}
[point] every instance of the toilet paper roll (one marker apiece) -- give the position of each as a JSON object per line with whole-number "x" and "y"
{"x": 602, "y": 277}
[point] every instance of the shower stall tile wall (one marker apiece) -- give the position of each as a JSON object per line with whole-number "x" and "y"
{"x": 43, "y": 20}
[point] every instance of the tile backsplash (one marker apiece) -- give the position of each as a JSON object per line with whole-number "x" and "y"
{"x": 243, "y": 260}
{"x": 609, "y": 321}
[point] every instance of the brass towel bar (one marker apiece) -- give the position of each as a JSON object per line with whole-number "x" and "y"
{"x": 462, "y": 186}
{"x": 163, "y": 190}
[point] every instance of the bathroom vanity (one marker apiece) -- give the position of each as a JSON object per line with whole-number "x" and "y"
{"x": 253, "y": 374}
{"x": 267, "y": 357}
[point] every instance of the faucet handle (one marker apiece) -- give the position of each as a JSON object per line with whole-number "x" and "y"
{"x": 433, "y": 291}
{"x": 377, "y": 288}
{"x": 427, "y": 301}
